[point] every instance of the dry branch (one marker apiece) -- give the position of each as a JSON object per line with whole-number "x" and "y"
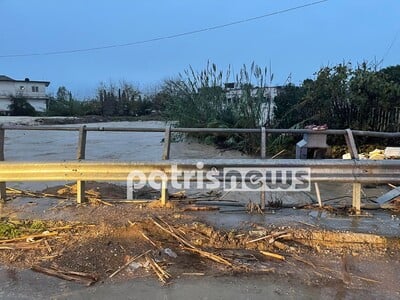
{"x": 33, "y": 236}
{"x": 190, "y": 247}
{"x": 274, "y": 236}
{"x": 161, "y": 274}
{"x": 210, "y": 255}
{"x": 171, "y": 232}
{"x": 200, "y": 208}
{"x": 80, "y": 277}
{"x": 128, "y": 263}
{"x": 100, "y": 201}
{"x": 148, "y": 239}
{"x": 273, "y": 255}
{"x": 14, "y": 191}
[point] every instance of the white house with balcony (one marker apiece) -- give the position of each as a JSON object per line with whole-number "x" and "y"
{"x": 32, "y": 90}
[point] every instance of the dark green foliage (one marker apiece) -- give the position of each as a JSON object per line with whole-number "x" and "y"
{"x": 285, "y": 102}
{"x": 392, "y": 73}
{"x": 21, "y": 107}
{"x": 123, "y": 100}
{"x": 343, "y": 97}
{"x": 64, "y": 104}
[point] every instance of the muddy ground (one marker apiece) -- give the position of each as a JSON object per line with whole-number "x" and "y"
{"x": 98, "y": 239}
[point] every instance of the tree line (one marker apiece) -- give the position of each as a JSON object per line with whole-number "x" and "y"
{"x": 122, "y": 99}
{"x": 342, "y": 96}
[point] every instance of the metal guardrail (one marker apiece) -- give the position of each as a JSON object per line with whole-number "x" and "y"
{"x": 337, "y": 170}
{"x": 354, "y": 171}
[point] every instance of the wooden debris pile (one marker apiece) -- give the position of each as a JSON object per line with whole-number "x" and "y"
{"x": 92, "y": 195}
{"x": 168, "y": 248}
{"x": 13, "y": 193}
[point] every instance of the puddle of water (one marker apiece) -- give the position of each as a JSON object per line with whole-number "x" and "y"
{"x": 25, "y": 284}
{"x": 380, "y": 222}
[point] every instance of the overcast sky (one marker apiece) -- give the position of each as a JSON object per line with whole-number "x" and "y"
{"x": 297, "y": 42}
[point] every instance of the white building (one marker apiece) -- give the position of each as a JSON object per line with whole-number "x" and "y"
{"x": 269, "y": 93}
{"x": 33, "y": 91}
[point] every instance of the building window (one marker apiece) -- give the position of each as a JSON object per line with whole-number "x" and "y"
{"x": 21, "y": 87}
{"x": 35, "y": 89}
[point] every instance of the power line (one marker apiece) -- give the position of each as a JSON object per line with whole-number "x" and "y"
{"x": 389, "y": 47}
{"x": 163, "y": 37}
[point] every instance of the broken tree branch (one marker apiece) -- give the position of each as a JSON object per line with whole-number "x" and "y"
{"x": 80, "y": 277}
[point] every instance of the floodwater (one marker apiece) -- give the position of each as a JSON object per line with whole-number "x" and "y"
{"x": 112, "y": 146}
{"x": 23, "y": 145}
{"x": 29, "y": 285}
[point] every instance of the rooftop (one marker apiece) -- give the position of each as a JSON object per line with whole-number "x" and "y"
{"x": 6, "y": 78}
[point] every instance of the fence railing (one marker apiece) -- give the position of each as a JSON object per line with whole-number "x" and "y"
{"x": 354, "y": 171}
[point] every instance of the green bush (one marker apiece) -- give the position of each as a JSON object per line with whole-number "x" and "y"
{"x": 21, "y": 107}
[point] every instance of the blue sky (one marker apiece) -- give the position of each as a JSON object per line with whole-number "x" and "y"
{"x": 297, "y": 42}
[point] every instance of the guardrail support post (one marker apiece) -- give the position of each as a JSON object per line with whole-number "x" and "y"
{"x": 167, "y": 143}
{"x": 164, "y": 192}
{"x": 262, "y": 199}
{"x": 81, "y": 153}
{"x": 357, "y": 197}
{"x": 3, "y": 190}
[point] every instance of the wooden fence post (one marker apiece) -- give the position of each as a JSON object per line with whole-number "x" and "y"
{"x": 263, "y": 150}
{"x": 263, "y": 147}
{"x": 81, "y": 153}
{"x": 3, "y": 190}
{"x": 351, "y": 144}
{"x": 165, "y": 156}
{"x": 167, "y": 143}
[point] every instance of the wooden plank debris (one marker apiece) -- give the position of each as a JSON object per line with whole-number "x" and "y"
{"x": 389, "y": 196}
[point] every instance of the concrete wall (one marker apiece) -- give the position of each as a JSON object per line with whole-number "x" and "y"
{"x": 23, "y": 88}
{"x": 4, "y": 103}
